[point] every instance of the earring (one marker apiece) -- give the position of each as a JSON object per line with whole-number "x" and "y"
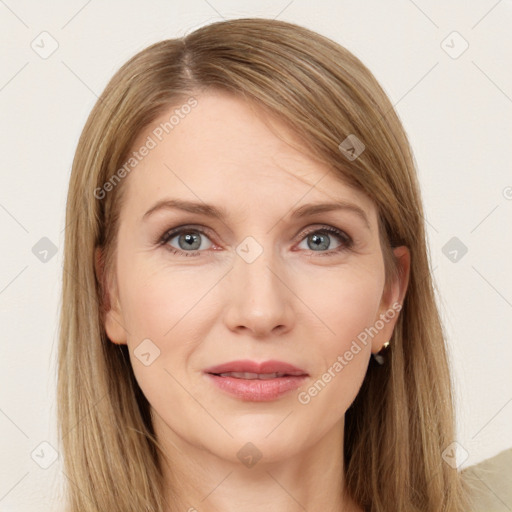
{"x": 380, "y": 356}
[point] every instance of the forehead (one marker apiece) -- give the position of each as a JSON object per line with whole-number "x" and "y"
{"x": 227, "y": 151}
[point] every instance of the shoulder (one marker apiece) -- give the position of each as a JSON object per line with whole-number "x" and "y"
{"x": 489, "y": 483}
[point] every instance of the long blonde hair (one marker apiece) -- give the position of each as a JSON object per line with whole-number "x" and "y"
{"x": 402, "y": 419}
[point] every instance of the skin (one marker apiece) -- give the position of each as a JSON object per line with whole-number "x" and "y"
{"x": 292, "y": 303}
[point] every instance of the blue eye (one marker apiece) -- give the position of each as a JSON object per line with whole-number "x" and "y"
{"x": 189, "y": 240}
{"x": 320, "y": 238}
{"x": 190, "y": 243}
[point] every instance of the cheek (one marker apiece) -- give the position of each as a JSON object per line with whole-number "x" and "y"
{"x": 161, "y": 306}
{"x": 167, "y": 306}
{"x": 346, "y": 302}
{"x": 155, "y": 300}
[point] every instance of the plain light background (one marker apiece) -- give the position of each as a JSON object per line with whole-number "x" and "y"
{"x": 456, "y": 106}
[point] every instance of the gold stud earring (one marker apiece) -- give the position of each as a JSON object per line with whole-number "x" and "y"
{"x": 380, "y": 356}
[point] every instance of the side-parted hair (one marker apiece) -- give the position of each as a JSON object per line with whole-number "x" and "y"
{"x": 402, "y": 419}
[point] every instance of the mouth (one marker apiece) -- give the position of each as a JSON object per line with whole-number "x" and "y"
{"x": 256, "y": 382}
{"x": 260, "y": 376}
{"x": 247, "y": 367}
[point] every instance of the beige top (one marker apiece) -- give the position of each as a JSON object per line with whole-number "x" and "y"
{"x": 491, "y": 483}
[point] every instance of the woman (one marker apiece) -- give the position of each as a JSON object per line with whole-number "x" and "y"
{"x": 248, "y": 317}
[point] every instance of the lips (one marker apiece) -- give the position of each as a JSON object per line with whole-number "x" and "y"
{"x": 256, "y": 382}
{"x": 252, "y": 370}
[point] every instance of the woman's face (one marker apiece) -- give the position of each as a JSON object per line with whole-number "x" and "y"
{"x": 270, "y": 280}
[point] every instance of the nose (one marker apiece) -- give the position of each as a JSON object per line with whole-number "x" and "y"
{"x": 259, "y": 298}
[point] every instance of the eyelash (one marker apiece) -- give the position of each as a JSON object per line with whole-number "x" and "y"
{"x": 346, "y": 240}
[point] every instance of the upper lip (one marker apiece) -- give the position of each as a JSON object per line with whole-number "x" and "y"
{"x": 255, "y": 367}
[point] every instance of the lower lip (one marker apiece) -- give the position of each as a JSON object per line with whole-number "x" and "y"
{"x": 257, "y": 390}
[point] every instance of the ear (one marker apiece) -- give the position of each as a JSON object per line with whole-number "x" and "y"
{"x": 109, "y": 302}
{"x": 392, "y": 299}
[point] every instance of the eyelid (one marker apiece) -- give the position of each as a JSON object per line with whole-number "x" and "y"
{"x": 324, "y": 227}
{"x": 172, "y": 232}
{"x": 183, "y": 227}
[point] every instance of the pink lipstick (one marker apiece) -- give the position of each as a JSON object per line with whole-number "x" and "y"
{"x": 256, "y": 382}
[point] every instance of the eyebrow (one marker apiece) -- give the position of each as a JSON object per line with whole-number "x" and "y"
{"x": 220, "y": 213}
